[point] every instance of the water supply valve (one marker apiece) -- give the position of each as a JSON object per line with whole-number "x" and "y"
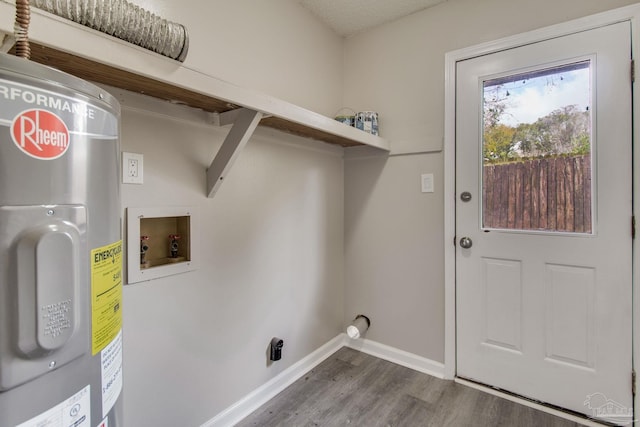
{"x": 173, "y": 245}
{"x": 144, "y": 247}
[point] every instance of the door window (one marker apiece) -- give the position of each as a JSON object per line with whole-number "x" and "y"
{"x": 536, "y": 150}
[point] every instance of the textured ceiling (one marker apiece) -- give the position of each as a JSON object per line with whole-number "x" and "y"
{"x": 348, "y": 17}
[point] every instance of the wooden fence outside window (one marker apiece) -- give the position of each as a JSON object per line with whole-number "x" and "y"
{"x": 550, "y": 194}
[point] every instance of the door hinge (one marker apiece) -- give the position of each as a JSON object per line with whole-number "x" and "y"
{"x": 633, "y": 382}
{"x": 454, "y": 240}
{"x": 633, "y": 227}
{"x": 633, "y": 71}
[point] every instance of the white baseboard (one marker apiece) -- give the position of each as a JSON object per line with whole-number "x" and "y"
{"x": 400, "y": 357}
{"x": 245, "y": 406}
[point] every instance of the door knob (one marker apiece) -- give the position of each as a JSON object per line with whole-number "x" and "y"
{"x": 466, "y": 242}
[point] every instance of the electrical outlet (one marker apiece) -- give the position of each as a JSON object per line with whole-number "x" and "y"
{"x": 132, "y": 168}
{"x": 132, "y": 171}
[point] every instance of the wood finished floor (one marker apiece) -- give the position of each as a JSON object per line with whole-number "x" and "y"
{"x": 351, "y": 388}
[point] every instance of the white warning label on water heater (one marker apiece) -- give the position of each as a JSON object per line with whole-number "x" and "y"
{"x": 73, "y": 412}
{"x": 111, "y": 362}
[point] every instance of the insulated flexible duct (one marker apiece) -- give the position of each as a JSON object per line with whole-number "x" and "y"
{"x": 21, "y": 29}
{"x": 125, "y": 21}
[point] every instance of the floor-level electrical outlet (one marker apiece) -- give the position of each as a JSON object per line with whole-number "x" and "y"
{"x": 132, "y": 168}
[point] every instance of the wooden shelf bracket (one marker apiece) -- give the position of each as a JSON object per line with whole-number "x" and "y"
{"x": 245, "y": 122}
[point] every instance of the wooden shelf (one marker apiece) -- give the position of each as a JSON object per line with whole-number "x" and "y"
{"x": 102, "y": 73}
{"x": 98, "y": 57}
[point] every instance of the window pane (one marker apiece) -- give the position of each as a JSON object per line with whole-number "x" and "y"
{"x": 536, "y": 148}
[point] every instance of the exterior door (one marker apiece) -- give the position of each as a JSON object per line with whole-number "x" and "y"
{"x": 543, "y": 221}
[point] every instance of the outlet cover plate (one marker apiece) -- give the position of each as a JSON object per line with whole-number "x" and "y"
{"x": 132, "y": 168}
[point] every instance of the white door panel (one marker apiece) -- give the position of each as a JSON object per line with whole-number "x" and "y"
{"x": 541, "y": 313}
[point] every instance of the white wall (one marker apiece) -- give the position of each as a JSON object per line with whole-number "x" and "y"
{"x": 276, "y": 47}
{"x": 393, "y": 246}
{"x": 272, "y": 265}
{"x": 272, "y": 257}
{"x": 393, "y": 232}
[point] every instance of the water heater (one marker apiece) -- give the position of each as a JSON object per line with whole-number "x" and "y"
{"x": 60, "y": 250}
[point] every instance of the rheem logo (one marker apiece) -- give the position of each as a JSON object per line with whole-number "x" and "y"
{"x": 40, "y": 134}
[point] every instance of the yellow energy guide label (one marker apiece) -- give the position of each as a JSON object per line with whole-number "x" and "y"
{"x": 106, "y": 295}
